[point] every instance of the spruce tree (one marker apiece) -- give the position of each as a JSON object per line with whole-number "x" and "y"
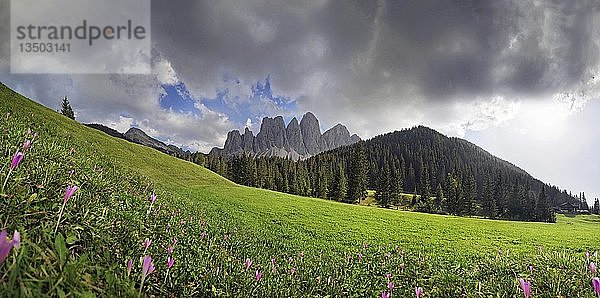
{"x": 439, "y": 199}
{"x": 66, "y": 109}
{"x": 322, "y": 183}
{"x": 454, "y": 194}
{"x": 425, "y": 185}
{"x": 514, "y": 208}
{"x": 529, "y": 206}
{"x": 382, "y": 193}
{"x": 583, "y": 205}
{"x": 489, "y": 203}
{"x": 500, "y": 190}
{"x": 543, "y": 212}
{"x": 395, "y": 187}
{"x": 470, "y": 192}
{"x": 410, "y": 185}
{"x": 357, "y": 181}
{"x": 339, "y": 185}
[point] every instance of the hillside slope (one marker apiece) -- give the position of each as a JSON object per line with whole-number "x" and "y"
{"x": 300, "y": 246}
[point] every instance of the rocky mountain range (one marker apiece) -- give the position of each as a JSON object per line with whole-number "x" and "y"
{"x": 299, "y": 140}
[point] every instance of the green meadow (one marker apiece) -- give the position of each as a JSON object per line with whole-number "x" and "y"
{"x": 231, "y": 240}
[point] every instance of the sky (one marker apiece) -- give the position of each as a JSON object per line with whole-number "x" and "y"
{"x": 519, "y": 78}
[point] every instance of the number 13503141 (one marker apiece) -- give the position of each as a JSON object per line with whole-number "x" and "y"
{"x": 44, "y": 47}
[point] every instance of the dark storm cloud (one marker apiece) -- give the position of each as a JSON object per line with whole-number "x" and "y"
{"x": 370, "y": 61}
{"x": 444, "y": 49}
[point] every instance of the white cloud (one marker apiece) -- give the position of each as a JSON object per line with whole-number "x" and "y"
{"x": 249, "y": 125}
{"x": 165, "y": 73}
{"x": 491, "y": 112}
{"x": 122, "y": 125}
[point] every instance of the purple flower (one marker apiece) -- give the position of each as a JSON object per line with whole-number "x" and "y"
{"x": 385, "y": 294}
{"x": 587, "y": 255}
{"x": 174, "y": 241}
{"x": 129, "y": 266}
{"x": 291, "y": 259}
{"x": 526, "y": 286}
{"x": 258, "y": 275}
{"x": 153, "y": 198}
{"x": 273, "y": 261}
{"x": 390, "y": 285}
{"x": 170, "y": 262}
{"x": 360, "y": 256}
{"x": 388, "y": 276}
{"x": 418, "y": 292}
{"x": 147, "y": 243}
{"x": 388, "y": 254}
{"x": 147, "y": 267}
{"x": 531, "y": 269}
{"x": 596, "y": 283}
{"x": 248, "y": 263}
{"x": 17, "y": 158}
{"x": 26, "y": 145}
{"x": 592, "y": 267}
{"x": 170, "y": 250}
{"x": 6, "y": 245}
{"x": 69, "y": 192}
{"x": 203, "y": 234}
{"x": 293, "y": 271}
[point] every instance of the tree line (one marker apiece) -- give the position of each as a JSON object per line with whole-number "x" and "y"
{"x": 443, "y": 175}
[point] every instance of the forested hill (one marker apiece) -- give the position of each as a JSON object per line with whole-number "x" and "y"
{"x": 449, "y": 175}
{"x": 427, "y": 163}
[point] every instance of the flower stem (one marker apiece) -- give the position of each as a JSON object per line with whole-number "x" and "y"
{"x": 141, "y": 286}
{"x": 60, "y": 216}
{"x": 6, "y": 180}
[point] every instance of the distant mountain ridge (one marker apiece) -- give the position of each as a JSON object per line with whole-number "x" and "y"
{"x": 299, "y": 140}
{"x": 138, "y": 136}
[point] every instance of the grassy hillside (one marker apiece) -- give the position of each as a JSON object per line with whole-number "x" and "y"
{"x": 301, "y": 246}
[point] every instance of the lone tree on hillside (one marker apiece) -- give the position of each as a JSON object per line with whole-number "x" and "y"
{"x": 66, "y": 109}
